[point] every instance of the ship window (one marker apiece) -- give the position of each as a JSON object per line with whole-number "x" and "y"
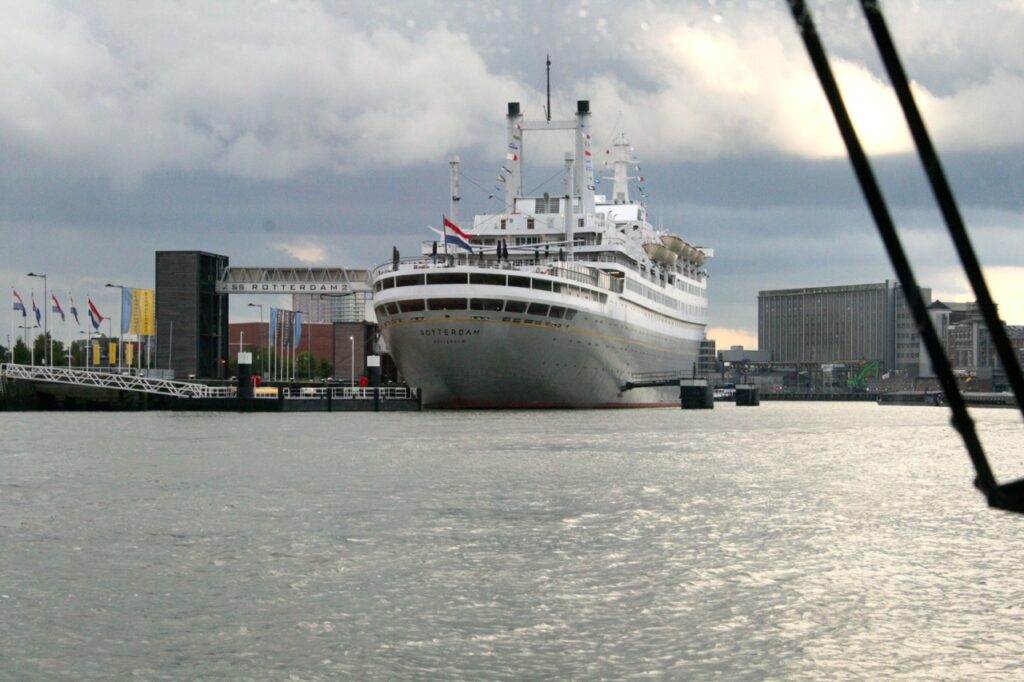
{"x": 515, "y": 306}
{"x": 485, "y": 304}
{"x": 544, "y": 284}
{"x": 446, "y": 304}
{"x": 447, "y": 278}
{"x": 538, "y": 309}
{"x": 413, "y": 305}
{"x": 408, "y": 280}
{"x": 547, "y": 204}
{"x": 530, "y": 223}
{"x": 569, "y": 313}
{"x": 556, "y": 311}
{"x": 514, "y": 281}
{"x": 503, "y": 223}
{"x": 387, "y": 283}
{"x": 481, "y": 278}
{"x": 392, "y": 309}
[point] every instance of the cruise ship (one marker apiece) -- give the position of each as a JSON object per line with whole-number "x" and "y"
{"x": 556, "y": 301}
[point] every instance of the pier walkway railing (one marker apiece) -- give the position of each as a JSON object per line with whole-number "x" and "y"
{"x": 185, "y": 389}
{"x": 119, "y": 382}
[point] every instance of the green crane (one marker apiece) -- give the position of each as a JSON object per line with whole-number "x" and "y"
{"x": 858, "y": 382}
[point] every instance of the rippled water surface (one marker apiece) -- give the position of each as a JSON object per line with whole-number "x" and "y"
{"x": 810, "y": 541}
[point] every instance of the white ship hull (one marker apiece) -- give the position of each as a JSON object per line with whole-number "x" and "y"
{"x": 483, "y": 359}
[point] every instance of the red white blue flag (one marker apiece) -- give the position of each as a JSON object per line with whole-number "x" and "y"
{"x": 94, "y": 315}
{"x": 74, "y": 310}
{"x": 56, "y": 308}
{"x": 35, "y": 309}
{"x": 18, "y": 303}
{"x": 453, "y": 235}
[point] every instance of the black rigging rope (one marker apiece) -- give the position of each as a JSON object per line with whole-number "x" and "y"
{"x": 1009, "y": 496}
{"x": 944, "y": 197}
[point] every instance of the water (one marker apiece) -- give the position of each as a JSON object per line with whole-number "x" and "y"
{"x": 810, "y": 541}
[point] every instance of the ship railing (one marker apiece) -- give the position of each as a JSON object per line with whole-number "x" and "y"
{"x": 551, "y": 265}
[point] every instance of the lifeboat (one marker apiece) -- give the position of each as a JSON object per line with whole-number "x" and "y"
{"x": 660, "y": 254}
{"x": 674, "y": 244}
{"x": 698, "y": 259}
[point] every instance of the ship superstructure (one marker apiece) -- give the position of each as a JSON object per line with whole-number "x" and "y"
{"x": 562, "y": 300}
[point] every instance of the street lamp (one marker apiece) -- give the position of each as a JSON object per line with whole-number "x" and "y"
{"x": 120, "y": 340}
{"x": 46, "y": 320}
{"x": 88, "y": 347}
{"x": 352, "y": 354}
{"x": 262, "y": 345}
{"x": 31, "y": 346}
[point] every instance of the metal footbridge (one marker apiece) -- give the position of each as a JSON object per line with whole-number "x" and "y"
{"x": 112, "y": 380}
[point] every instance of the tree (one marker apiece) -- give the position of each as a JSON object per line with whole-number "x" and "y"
{"x": 325, "y": 369}
{"x": 304, "y": 364}
{"x": 3, "y": 354}
{"x": 42, "y": 346}
{"x": 22, "y": 355}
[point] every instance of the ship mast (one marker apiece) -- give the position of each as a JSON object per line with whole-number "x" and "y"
{"x": 620, "y": 164}
{"x": 453, "y": 184}
{"x": 547, "y": 111}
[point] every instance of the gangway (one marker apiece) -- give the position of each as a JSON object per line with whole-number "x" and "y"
{"x": 650, "y": 379}
{"x": 114, "y": 381}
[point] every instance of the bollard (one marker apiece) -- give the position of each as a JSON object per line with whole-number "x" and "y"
{"x": 748, "y": 396}
{"x": 244, "y": 375}
{"x": 695, "y": 394}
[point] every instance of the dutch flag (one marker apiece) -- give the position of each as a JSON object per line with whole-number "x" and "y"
{"x": 19, "y": 304}
{"x": 56, "y": 308}
{"x": 94, "y": 315}
{"x": 453, "y": 235}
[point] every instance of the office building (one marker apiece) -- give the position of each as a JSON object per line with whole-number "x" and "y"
{"x": 191, "y": 317}
{"x": 850, "y": 324}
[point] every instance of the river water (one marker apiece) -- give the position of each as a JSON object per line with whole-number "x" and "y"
{"x": 791, "y": 540}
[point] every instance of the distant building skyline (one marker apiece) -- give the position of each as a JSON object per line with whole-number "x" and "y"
{"x": 847, "y": 324}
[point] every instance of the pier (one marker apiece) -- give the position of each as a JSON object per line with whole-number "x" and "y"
{"x": 64, "y": 388}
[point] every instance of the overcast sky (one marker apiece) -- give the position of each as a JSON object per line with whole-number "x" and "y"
{"x": 317, "y": 133}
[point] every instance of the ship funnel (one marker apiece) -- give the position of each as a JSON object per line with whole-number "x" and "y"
{"x": 582, "y": 107}
{"x": 513, "y": 108}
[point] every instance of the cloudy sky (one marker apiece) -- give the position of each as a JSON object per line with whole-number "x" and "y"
{"x": 296, "y": 132}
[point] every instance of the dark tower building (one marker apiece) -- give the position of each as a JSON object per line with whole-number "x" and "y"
{"x": 191, "y": 317}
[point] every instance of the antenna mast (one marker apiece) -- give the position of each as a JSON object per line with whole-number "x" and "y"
{"x": 547, "y": 112}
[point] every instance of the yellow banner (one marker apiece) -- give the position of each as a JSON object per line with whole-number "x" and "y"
{"x": 143, "y": 312}
{"x": 96, "y": 354}
{"x": 129, "y": 353}
{"x": 112, "y": 354}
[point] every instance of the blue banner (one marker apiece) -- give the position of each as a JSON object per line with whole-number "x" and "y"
{"x": 298, "y": 330}
{"x": 273, "y": 326}
{"x": 126, "y": 310}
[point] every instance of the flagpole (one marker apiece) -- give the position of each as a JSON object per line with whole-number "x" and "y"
{"x": 32, "y": 358}
{"x": 88, "y": 335}
{"x": 67, "y": 333}
{"x": 444, "y": 238}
